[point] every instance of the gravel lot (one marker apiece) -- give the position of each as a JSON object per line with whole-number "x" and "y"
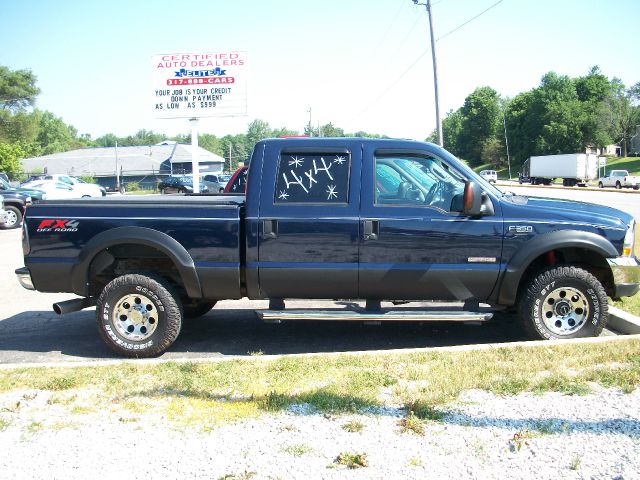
{"x": 481, "y": 436}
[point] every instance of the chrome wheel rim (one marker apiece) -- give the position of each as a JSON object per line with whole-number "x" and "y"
{"x": 565, "y": 311}
{"x": 12, "y": 218}
{"x": 135, "y": 317}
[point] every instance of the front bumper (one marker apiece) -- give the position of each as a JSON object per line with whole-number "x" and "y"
{"x": 626, "y": 276}
{"x": 24, "y": 277}
{"x": 3, "y": 217}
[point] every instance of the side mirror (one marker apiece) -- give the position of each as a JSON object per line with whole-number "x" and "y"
{"x": 475, "y": 203}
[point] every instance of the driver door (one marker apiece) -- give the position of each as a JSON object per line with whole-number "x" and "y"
{"x": 416, "y": 243}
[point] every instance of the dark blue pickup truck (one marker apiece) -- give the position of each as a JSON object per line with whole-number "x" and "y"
{"x": 347, "y": 218}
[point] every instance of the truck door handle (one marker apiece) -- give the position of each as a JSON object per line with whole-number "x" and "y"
{"x": 269, "y": 229}
{"x": 371, "y": 229}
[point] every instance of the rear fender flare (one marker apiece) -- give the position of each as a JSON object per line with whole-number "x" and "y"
{"x": 140, "y": 236}
{"x": 508, "y": 290}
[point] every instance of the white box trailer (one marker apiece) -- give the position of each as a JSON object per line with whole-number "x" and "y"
{"x": 573, "y": 168}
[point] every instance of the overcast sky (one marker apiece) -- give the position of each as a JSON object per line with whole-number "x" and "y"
{"x": 343, "y": 59}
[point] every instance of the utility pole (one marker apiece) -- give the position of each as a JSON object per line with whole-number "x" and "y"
{"x": 506, "y": 140}
{"x": 310, "y": 128}
{"x": 117, "y": 177}
{"x": 435, "y": 70}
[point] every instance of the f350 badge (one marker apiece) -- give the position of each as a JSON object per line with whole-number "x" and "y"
{"x": 522, "y": 229}
{"x": 58, "y": 225}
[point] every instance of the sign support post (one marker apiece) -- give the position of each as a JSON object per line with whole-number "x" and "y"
{"x": 195, "y": 155}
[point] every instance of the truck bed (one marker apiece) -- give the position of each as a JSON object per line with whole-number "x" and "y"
{"x": 193, "y": 231}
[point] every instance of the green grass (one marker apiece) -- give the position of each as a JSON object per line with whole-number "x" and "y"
{"x": 632, "y": 164}
{"x": 352, "y": 460}
{"x": 204, "y": 395}
{"x": 141, "y": 192}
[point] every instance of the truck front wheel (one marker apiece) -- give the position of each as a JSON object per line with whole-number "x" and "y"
{"x": 138, "y": 315}
{"x": 563, "y": 302}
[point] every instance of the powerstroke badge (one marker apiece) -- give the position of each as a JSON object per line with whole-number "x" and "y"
{"x": 58, "y": 225}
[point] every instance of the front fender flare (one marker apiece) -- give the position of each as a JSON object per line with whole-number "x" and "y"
{"x": 508, "y": 288}
{"x": 140, "y": 236}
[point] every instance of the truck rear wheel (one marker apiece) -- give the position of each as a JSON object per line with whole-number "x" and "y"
{"x": 138, "y": 315}
{"x": 563, "y": 302}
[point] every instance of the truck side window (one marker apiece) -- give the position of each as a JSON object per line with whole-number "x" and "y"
{"x": 312, "y": 178}
{"x": 417, "y": 181}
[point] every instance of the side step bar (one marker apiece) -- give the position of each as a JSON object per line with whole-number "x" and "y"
{"x": 379, "y": 316}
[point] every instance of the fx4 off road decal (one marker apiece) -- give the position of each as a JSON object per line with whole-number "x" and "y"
{"x": 58, "y": 225}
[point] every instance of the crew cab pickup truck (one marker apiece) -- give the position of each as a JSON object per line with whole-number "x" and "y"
{"x": 619, "y": 179}
{"x": 347, "y": 218}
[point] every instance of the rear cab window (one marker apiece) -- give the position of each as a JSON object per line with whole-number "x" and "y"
{"x": 312, "y": 178}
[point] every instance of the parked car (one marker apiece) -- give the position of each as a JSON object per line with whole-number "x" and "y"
{"x": 619, "y": 179}
{"x": 4, "y": 176}
{"x": 3, "y": 212}
{"x": 214, "y": 183}
{"x": 238, "y": 181}
{"x": 83, "y": 188}
{"x": 178, "y": 184}
{"x": 15, "y": 204}
{"x": 489, "y": 175}
{"x": 34, "y": 193}
{"x": 56, "y": 190}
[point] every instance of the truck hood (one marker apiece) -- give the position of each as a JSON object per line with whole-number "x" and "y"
{"x": 569, "y": 211}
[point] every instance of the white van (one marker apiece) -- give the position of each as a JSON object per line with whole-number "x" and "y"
{"x": 489, "y": 175}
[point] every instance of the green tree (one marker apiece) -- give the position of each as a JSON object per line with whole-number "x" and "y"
{"x": 330, "y": 130}
{"x": 18, "y": 89}
{"x": 623, "y": 113}
{"x": 108, "y": 140}
{"x": 283, "y": 132}
{"x": 256, "y": 131}
{"x": 54, "y": 135}
{"x": 10, "y": 156}
{"x": 235, "y": 151}
{"x": 211, "y": 143}
{"x": 594, "y": 91}
{"x": 494, "y": 152}
{"x": 451, "y": 131}
{"x": 480, "y": 120}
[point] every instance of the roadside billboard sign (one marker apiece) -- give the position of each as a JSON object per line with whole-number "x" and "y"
{"x": 203, "y": 84}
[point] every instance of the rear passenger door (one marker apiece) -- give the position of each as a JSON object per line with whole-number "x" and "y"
{"x": 308, "y": 230}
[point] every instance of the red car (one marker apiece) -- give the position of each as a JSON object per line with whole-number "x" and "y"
{"x": 238, "y": 181}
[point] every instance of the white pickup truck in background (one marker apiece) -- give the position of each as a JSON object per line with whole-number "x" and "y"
{"x": 619, "y": 179}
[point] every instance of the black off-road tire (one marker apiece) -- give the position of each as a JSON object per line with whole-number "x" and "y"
{"x": 15, "y": 217}
{"x": 196, "y": 309}
{"x": 563, "y": 302}
{"x": 138, "y": 315}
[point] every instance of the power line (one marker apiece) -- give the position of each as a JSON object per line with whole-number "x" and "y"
{"x": 394, "y": 83}
{"x": 421, "y": 56}
{"x": 469, "y": 21}
{"x": 395, "y": 17}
